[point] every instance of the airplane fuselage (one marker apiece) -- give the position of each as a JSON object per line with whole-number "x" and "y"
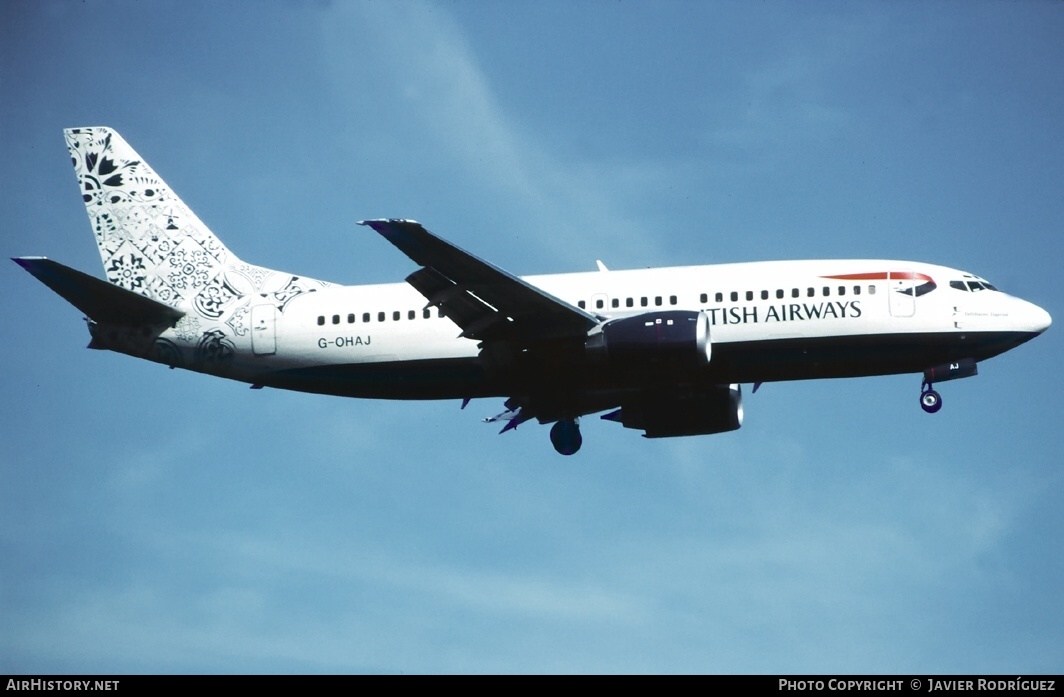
{"x": 666, "y": 349}
{"x": 769, "y": 321}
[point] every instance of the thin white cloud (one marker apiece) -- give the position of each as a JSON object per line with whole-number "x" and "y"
{"x": 574, "y": 210}
{"x": 784, "y": 103}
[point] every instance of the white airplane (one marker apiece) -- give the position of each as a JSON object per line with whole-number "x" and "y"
{"x": 661, "y": 350}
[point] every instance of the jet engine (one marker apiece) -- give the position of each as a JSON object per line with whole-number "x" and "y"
{"x": 664, "y": 415}
{"x": 653, "y": 343}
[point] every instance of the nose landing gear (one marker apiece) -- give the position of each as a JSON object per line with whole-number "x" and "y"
{"x": 930, "y": 401}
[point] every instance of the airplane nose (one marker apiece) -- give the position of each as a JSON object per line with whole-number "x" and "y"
{"x": 1040, "y": 319}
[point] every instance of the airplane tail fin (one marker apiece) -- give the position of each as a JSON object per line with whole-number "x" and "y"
{"x": 150, "y": 242}
{"x": 174, "y": 293}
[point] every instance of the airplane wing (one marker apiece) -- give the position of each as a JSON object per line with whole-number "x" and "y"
{"x": 485, "y": 301}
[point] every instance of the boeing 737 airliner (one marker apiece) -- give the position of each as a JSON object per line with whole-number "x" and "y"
{"x": 663, "y": 351}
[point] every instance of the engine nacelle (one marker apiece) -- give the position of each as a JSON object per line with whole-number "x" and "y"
{"x": 716, "y": 410}
{"x": 665, "y": 341}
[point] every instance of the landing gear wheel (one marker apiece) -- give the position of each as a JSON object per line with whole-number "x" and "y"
{"x": 930, "y": 401}
{"x": 565, "y": 436}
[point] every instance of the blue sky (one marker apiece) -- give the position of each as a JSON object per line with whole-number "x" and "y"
{"x": 164, "y": 521}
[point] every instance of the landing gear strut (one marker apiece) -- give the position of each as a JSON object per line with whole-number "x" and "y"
{"x": 565, "y": 436}
{"x": 930, "y": 401}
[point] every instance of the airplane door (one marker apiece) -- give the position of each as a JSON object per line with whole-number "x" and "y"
{"x": 264, "y": 330}
{"x": 901, "y": 289}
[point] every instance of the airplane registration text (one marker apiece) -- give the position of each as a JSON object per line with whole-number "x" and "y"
{"x": 344, "y": 341}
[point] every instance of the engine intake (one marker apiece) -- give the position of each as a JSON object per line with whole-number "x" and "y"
{"x": 654, "y": 342}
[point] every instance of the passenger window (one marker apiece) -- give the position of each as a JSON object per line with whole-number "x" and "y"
{"x": 351, "y": 318}
{"x": 827, "y": 291}
{"x": 657, "y": 300}
{"x": 321, "y": 320}
{"x": 439, "y": 312}
{"x": 810, "y": 292}
{"x": 365, "y": 316}
{"x": 628, "y": 302}
{"x": 779, "y": 292}
{"x": 764, "y": 295}
{"x": 842, "y": 290}
{"x": 336, "y": 319}
{"x": 703, "y": 298}
{"x": 871, "y": 289}
{"x": 643, "y": 301}
{"x": 857, "y": 290}
{"x": 411, "y": 315}
{"x": 672, "y": 299}
{"x": 599, "y": 304}
{"x": 582, "y": 305}
{"x": 749, "y": 295}
{"x": 719, "y": 297}
{"x": 615, "y": 303}
{"x": 794, "y": 293}
{"x": 380, "y": 316}
{"x": 395, "y": 316}
{"x": 734, "y": 296}
{"x": 426, "y": 313}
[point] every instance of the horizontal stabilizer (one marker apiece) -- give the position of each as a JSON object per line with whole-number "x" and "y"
{"x": 99, "y": 300}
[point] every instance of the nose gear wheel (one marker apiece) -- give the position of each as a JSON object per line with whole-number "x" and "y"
{"x": 930, "y": 401}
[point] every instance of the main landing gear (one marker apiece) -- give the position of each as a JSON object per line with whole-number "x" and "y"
{"x": 930, "y": 401}
{"x": 565, "y": 436}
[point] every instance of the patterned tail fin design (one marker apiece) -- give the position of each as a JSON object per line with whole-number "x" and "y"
{"x": 150, "y": 242}
{"x": 153, "y": 245}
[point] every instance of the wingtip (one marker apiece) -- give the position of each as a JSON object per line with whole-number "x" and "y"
{"x": 378, "y": 223}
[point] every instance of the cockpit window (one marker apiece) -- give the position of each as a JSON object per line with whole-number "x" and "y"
{"x": 971, "y": 286}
